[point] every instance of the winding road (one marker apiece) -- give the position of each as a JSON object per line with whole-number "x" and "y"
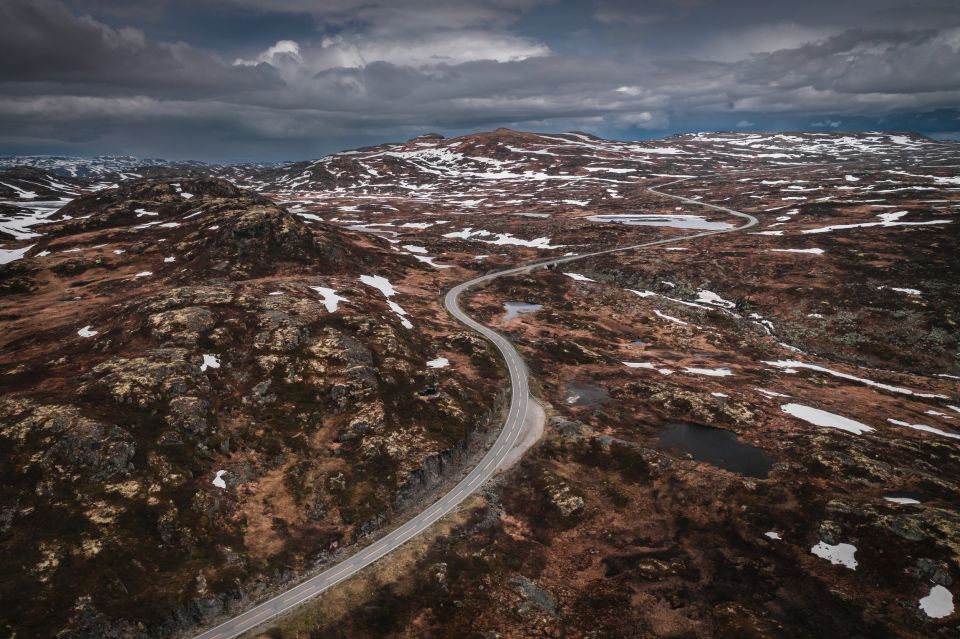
{"x": 520, "y": 403}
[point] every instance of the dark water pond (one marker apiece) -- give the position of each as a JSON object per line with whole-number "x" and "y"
{"x": 580, "y": 393}
{"x": 515, "y": 309}
{"x": 718, "y": 447}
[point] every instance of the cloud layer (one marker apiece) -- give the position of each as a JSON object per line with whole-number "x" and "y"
{"x": 99, "y": 76}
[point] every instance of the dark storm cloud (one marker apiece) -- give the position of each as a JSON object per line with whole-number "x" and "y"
{"x": 899, "y": 62}
{"x": 632, "y": 13}
{"x": 91, "y": 76}
{"x": 42, "y": 43}
{"x": 410, "y": 14}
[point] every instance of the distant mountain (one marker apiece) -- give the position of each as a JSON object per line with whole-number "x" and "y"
{"x": 501, "y": 157}
{"x": 90, "y": 167}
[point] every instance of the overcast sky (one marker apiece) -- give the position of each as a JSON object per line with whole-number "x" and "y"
{"x": 229, "y": 80}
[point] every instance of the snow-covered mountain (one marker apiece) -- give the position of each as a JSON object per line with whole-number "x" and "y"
{"x": 89, "y": 167}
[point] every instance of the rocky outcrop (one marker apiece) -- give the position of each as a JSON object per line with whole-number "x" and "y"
{"x": 680, "y": 402}
{"x": 184, "y": 325}
{"x": 162, "y": 199}
{"x": 562, "y": 497}
{"x": 72, "y": 443}
{"x": 159, "y": 374}
{"x": 255, "y": 239}
{"x": 18, "y": 277}
{"x": 183, "y": 296}
{"x": 568, "y": 352}
{"x": 534, "y": 598}
{"x": 92, "y": 450}
{"x": 189, "y": 414}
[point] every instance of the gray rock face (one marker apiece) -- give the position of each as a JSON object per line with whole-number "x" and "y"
{"x": 935, "y": 571}
{"x": 534, "y": 597}
{"x": 98, "y": 451}
{"x": 569, "y": 429}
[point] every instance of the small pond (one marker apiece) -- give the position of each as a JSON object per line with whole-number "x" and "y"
{"x": 672, "y": 221}
{"x": 581, "y": 393}
{"x": 718, "y": 447}
{"x": 515, "y": 309}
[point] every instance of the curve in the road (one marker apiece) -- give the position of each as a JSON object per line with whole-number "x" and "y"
{"x": 519, "y": 403}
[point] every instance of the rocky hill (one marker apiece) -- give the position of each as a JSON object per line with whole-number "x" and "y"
{"x": 201, "y": 398}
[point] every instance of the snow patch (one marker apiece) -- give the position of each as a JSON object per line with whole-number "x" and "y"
{"x": 11, "y": 255}
{"x": 669, "y": 318}
{"x": 811, "y": 251}
{"x": 380, "y": 283}
{"x": 87, "y": 331}
{"x": 938, "y": 604}
{"x": 648, "y": 366}
{"x": 209, "y": 361}
{"x": 383, "y": 285}
{"x": 709, "y": 297}
{"x": 924, "y": 428}
{"x": 794, "y": 364}
{"x": 902, "y": 500}
{"x": 330, "y": 299}
{"x": 710, "y": 372}
{"x": 825, "y": 419}
{"x": 426, "y": 259}
{"x": 671, "y": 221}
{"x": 770, "y": 393}
{"x": 907, "y": 291}
{"x": 501, "y": 239}
{"x": 841, "y": 554}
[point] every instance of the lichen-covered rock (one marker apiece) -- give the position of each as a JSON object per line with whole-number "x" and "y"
{"x": 568, "y": 352}
{"x": 280, "y": 332}
{"x": 160, "y": 374}
{"x": 562, "y": 497}
{"x": 699, "y": 406}
{"x": 259, "y": 239}
{"x": 369, "y": 418}
{"x": 189, "y": 414}
{"x": 183, "y": 325}
{"x": 184, "y": 296}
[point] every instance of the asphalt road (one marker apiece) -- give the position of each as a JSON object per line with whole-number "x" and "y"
{"x": 519, "y": 404}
